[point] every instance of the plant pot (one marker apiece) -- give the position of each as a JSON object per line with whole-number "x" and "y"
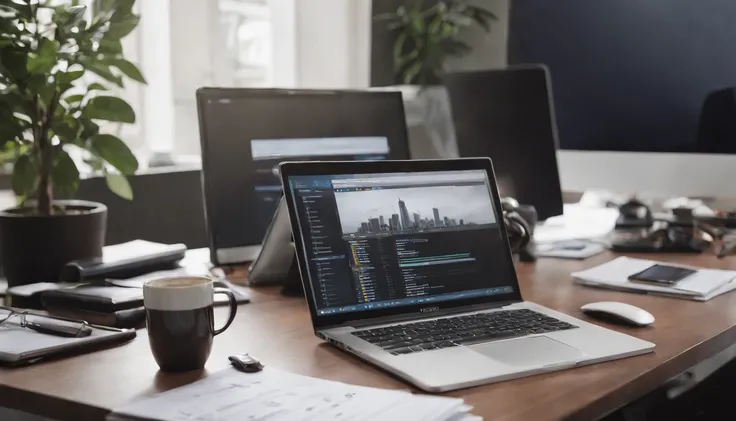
{"x": 34, "y": 248}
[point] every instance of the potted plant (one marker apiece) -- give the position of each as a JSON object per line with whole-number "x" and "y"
{"x": 59, "y": 64}
{"x": 428, "y": 33}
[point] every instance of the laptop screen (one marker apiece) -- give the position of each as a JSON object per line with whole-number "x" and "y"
{"x": 375, "y": 241}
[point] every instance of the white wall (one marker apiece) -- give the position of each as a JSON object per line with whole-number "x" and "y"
{"x": 333, "y": 47}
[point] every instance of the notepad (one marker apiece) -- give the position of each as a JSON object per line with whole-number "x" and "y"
{"x": 19, "y": 345}
{"x": 230, "y": 395}
{"x": 701, "y": 286}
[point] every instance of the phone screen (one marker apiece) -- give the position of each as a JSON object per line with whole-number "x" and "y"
{"x": 662, "y": 274}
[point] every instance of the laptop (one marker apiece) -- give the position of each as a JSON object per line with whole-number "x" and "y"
{"x": 406, "y": 265}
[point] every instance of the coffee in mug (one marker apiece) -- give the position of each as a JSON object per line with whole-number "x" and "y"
{"x": 180, "y": 320}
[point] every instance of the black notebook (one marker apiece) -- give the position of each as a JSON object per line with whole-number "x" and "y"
{"x": 124, "y": 261}
{"x": 124, "y": 294}
{"x": 104, "y": 299}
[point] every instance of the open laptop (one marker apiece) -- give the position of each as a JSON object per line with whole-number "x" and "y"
{"x": 406, "y": 264}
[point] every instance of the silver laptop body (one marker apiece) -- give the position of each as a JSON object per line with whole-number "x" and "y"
{"x": 406, "y": 265}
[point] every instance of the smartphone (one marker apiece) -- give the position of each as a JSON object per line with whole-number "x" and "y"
{"x": 662, "y": 275}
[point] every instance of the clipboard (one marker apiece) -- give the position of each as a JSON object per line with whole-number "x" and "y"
{"x": 22, "y": 346}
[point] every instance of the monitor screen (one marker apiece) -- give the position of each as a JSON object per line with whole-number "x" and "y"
{"x": 247, "y": 133}
{"x": 505, "y": 114}
{"x": 634, "y": 75}
{"x": 375, "y": 241}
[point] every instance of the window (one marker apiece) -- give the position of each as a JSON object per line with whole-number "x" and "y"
{"x": 247, "y": 36}
{"x": 182, "y": 45}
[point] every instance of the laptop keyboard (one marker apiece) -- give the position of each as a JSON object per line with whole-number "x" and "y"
{"x": 461, "y": 330}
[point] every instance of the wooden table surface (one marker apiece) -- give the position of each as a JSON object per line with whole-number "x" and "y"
{"x": 278, "y": 331}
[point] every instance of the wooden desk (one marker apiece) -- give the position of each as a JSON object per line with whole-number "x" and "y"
{"x": 278, "y": 331}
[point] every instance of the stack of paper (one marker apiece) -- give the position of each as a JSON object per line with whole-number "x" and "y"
{"x": 231, "y": 395}
{"x": 701, "y": 286}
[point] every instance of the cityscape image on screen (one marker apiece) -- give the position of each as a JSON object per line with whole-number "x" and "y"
{"x": 407, "y": 210}
{"x": 406, "y": 221}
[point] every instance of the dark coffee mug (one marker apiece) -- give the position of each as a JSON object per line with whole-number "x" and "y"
{"x": 180, "y": 320}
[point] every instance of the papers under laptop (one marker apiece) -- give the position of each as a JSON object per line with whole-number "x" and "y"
{"x": 700, "y": 286}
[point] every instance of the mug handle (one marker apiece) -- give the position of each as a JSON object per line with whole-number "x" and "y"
{"x": 233, "y": 309}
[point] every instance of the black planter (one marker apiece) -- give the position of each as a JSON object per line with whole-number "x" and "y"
{"x": 34, "y": 248}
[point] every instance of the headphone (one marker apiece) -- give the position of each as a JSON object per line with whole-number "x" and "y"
{"x": 519, "y": 232}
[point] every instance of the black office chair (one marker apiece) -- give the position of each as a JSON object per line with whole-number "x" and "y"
{"x": 167, "y": 207}
{"x": 717, "y": 127}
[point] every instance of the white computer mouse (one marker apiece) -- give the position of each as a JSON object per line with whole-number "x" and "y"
{"x": 620, "y": 313}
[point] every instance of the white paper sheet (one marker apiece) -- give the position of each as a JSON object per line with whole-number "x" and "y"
{"x": 703, "y": 284}
{"x": 578, "y": 222}
{"x": 230, "y": 395}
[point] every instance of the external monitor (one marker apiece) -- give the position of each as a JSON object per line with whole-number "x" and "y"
{"x": 645, "y": 91}
{"x": 506, "y": 114}
{"x": 246, "y": 133}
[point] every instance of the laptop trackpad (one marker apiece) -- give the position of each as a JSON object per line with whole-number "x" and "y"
{"x": 535, "y": 351}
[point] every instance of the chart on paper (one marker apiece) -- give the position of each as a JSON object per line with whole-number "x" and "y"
{"x": 270, "y": 395}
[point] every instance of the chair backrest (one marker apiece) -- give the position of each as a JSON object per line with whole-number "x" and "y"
{"x": 717, "y": 126}
{"x": 167, "y": 207}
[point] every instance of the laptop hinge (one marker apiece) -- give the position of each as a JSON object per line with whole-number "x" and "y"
{"x": 419, "y": 316}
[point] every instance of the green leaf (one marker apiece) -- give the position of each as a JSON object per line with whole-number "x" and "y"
{"x": 43, "y": 59}
{"x": 452, "y": 47}
{"x": 100, "y": 6}
{"x": 11, "y": 151}
{"x": 436, "y": 24}
{"x": 119, "y": 185}
{"x": 104, "y": 72}
{"x": 76, "y": 14}
{"x": 24, "y": 176}
{"x": 89, "y": 127}
{"x": 412, "y": 71}
{"x": 482, "y": 16}
{"x": 20, "y": 10}
{"x": 119, "y": 29}
{"x": 110, "y": 46}
{"x": 10, "y": 130}
{"x": 65, "y": 174}
{"x": 97, "y": 87}
{"x": 10, "y": 127}
{"x": 109, "y": 108}
{"x": 130, "y": 70}
{"x": 67, "y": 129}
{"x": 15, "y": 62}
{"x": 73, "y": 99}
{"x": 417, "y": 21}
{"x": 68, "y": 77}
{"x": 115, "y": 152}
{"x": 399, "y": 50}
{"x": 123, "y": 10}
{"x": 67, "y": 18}
{"x": 96, "y": 163}
{"x": 39, "y": 85}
